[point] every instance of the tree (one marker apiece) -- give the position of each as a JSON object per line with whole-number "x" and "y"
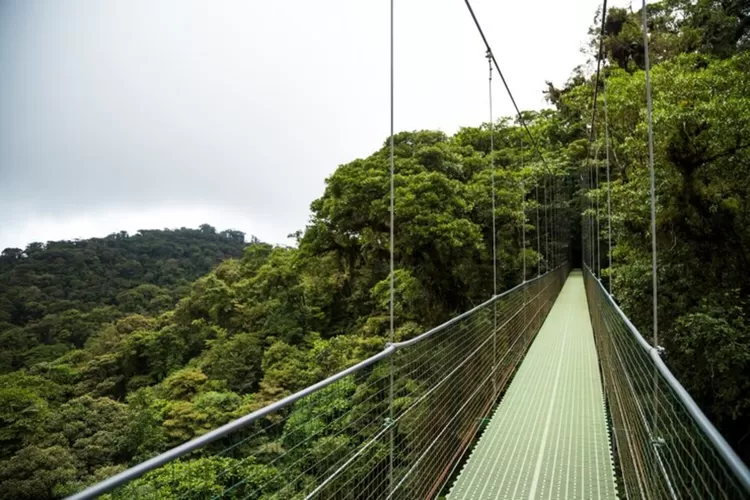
{"x": 236, "y": 361}
{"x": 36, "y": 472}
{"x": 62, "y": 292}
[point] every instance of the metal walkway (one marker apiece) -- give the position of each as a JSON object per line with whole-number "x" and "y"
{"x": 548, "y": 437}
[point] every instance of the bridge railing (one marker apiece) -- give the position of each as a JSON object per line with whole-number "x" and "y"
{"x": 666, "y": 446}
{"x": 392, "y": 426}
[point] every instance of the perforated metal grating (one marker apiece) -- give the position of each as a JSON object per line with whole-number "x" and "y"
{"x": 548, "y": 437}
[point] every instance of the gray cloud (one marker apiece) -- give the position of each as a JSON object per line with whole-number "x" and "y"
{"x": 112, "y": 112}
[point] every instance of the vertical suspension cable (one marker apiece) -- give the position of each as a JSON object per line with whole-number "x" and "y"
{"x": 546, "y": 228}
{"x": 494, "y": 232}
{"x": 653, "y": 204}
{"x": 561, "y": 218}
{"x": 592, "y": 244}
{"x": 588, "y": 215}
{"x": 555, "y": 223}
{"x": 538, "y": 234}
{"x": 592, "y": 263}
{"x": 598, "y": 230}
{"x": 552, "y": 220}
{"x": 391, "y": 334}
{"x": 492, "y": 175}
{"x": 555, "y": 227}
{"x": 651, "y": 169}
{"x": 592, "y": 133}
{"x": 558, "y": 227}
{"x": 589, "y": 234}
{"x": 566, "y": 188}
{"x": 523, "y": 209}
{"x": 609, "y": 189}
{"x": 564, "y": 220}
{"x": 585, "y": 236}
{"x": 584, "y": 242}
{"x": 595, "y": 215}
{"x": 523, "y": 231}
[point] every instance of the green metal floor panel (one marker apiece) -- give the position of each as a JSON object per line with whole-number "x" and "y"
{"x": 548, "y": 437}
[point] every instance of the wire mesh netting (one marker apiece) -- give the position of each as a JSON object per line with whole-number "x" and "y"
{"x": 345, "y": 439}
{"x": 663, "y": 450}
{"x": 449, "y": 382}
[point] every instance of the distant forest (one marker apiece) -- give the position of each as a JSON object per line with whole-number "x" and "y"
{"x": 55, "y": 295}
{"x": 116, "y": 349}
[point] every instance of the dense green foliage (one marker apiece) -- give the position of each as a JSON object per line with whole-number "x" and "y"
{"x": 54, "y": 296}
{"x": 139, "y": 379}
{"x": 119, "y": 348}
{"x": 702, "y": 155}
{"x": 701, "y": 121}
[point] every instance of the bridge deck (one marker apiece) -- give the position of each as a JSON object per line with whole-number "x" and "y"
{"x": 548, "y": 437}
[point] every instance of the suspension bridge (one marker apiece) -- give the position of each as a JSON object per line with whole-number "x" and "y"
{"x": 546, "y": 390}
{"x": 587, "y": 409}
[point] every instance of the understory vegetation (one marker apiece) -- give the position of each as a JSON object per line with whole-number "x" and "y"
{"x": 116, "y": 349}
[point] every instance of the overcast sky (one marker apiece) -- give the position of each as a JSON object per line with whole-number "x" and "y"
{"x": 122, "y": 115}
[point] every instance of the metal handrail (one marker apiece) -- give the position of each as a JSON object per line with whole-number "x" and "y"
{"x": 733, "y": 461}
{"x": 168, "y": 456}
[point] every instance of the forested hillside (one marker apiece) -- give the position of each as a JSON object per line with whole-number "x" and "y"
{"x": 116, "y": 356}
{"x": 55, "y": 295}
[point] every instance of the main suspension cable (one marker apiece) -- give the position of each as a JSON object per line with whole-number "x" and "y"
{"x": 520, "y": 119}
{"x": 505, "y": 83}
